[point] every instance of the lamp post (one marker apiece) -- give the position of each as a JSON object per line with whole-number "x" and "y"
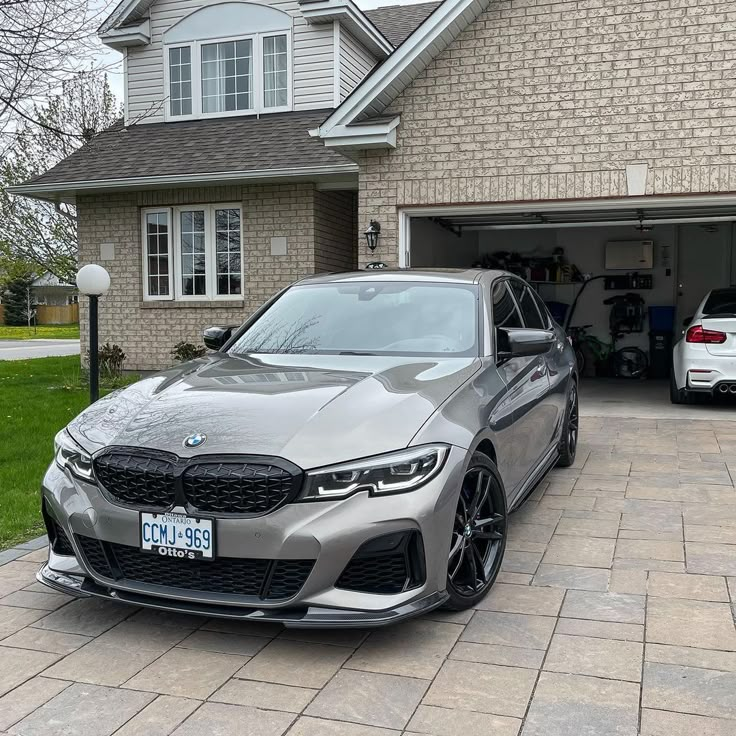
{"x": 94, "y": 281}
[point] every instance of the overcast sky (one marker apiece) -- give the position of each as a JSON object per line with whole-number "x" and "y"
{"x": 113, "y": 60}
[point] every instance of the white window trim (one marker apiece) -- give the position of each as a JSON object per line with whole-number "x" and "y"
{"x": 175, "y": 290}
{"x": 144, "y": 242}
{"x": 258, "y": 87}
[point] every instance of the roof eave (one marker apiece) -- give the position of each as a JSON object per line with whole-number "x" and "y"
{"x": 387, "y": 81}
{"x": 67, "y": 191}
{"x": 380, "y": 134}
{"x": 119, "y": 38}
{"x": 345, "y": 11}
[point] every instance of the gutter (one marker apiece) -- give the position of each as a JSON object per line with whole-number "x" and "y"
{"x": 138, "y": 182}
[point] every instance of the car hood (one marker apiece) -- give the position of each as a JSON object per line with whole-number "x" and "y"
{"x": 312, "y": 410}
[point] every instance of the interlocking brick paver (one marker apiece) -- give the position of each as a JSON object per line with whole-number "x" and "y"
{"x": 591, "y": 558}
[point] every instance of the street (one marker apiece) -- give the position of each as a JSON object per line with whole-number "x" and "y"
{"x": 24, "y": 349}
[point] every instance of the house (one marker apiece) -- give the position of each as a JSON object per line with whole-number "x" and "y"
{"x": 261, "y": 138}
{"x": 49, "y": 290}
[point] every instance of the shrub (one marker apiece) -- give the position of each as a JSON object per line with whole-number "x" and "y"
{"x": 111, "y": 359}
{"x": 184, "y": 351}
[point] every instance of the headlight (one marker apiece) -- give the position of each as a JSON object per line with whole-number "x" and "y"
{"x": 396, "y": 472}
{"x": 69, "y": 455}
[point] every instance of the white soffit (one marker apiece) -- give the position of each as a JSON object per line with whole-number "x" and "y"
{"x": 119, "y": 38}
{"x": 380, "y": 88}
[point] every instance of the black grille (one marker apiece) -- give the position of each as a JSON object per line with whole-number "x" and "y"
{"x": 265, "y": 579}
{"x": 389, "y": 564}
{"x": 60, "y": 542}
{"x": 236, "y": 488}
{"x": 151, "y": 480}
{"x": 138, "y": 480}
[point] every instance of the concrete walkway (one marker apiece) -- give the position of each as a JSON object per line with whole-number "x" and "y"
{"x": 24, "y": 349}
{"x": 612, "y": 617}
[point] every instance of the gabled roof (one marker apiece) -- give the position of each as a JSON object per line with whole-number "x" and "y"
{"x": 194, "y": 152}
{"x": 397, "y": 22}
{"x": 388, "y": 80}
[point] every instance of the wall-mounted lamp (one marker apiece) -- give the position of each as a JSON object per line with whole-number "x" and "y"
{"x": 372, "y": 233}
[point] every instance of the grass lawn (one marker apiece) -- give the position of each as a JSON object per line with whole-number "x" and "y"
{"x": 37, "y": 398}
{"x": 55, "y": 332}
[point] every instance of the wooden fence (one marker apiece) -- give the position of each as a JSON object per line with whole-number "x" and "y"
{"x": 47, "y": 314}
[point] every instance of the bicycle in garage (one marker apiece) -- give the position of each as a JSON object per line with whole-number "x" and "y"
{"x": 592, "y": 352}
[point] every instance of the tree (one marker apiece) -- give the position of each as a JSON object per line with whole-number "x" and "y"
{"x": 42, "y": 43}
{"x": 11, "y": 267}
{"x": 42, "y": 232}
{"x": 18, "y": 301}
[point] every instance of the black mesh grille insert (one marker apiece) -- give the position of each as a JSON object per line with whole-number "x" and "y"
{"x": 236, "y": 488}
{"x": 266, "y": 579}
{"x": 139, "y": 480}
{"x": 60, "y": 542}
{"x": 152, "y": 480}
{"x": 389, "y": 564}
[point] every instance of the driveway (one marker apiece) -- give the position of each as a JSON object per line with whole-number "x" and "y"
{"x": 612, "y": 616}
{"x": 23, "y": 349}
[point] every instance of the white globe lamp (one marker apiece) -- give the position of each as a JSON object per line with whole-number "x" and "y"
{"x": 93, "y": 281}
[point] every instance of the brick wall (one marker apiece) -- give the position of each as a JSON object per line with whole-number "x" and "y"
{"x": 551, "y": 99}
{"x": 147, "y": 331}
{"x": 335, "y": 231}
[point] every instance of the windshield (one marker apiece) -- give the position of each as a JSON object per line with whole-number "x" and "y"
{"x": 722, "y": 301}
{"x": 368, "y": 318}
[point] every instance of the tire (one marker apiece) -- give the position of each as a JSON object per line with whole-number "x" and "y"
{"x": 569, "y": 440}
{"x": 677, "y": 396}
{"x": 478, "y": 537}
{"x": 630, "y": 363}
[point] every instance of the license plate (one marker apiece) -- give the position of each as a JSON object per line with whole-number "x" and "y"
{"x": 177, "y": 535}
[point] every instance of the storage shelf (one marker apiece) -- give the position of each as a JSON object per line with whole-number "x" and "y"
{"x": 559, "y": 283}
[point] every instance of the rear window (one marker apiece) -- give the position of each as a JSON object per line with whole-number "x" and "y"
{"x": 722, "y": 301}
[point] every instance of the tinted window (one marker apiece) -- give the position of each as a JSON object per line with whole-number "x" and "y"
{"x": 505, "y": 313}
{"x": 369, "y": 317}
{"x": 528, "y": 307}
{"x": 546, "y": 316}
{"x": 722, "y": 301}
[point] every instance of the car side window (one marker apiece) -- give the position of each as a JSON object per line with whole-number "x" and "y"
{"x": 505, "y": 311}
{"x": 546, "y": 316}
{"x": 528, "y": 306}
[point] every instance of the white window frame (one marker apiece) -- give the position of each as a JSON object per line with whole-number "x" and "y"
{"x": 257, "y": 69}
{"x": 144, "y": 241}
{"x": 175, "y": 270}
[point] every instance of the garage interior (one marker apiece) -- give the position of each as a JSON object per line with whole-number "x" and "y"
{"x": 665, "y": 258}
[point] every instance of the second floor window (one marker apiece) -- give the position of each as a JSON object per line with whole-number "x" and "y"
{"x": 229, "y": 77}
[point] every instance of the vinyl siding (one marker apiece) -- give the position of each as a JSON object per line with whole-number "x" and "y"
{"x": 313, "y": 60}
{"x": 355, "y": 62}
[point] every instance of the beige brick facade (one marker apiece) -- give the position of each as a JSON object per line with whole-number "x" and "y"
{"x": 314, "y": 223}
{"x": 551, "y": 99}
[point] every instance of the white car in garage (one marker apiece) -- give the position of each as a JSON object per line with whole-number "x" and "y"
{"x": 704, "y": 360}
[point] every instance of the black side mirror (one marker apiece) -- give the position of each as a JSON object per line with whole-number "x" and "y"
{"x": 215, "y": 337}
{"x": 687, "y": 320}
{"x": 518, "y": 342}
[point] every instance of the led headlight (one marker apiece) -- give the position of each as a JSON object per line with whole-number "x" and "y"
{"x": 396, "y": 472}
{"x": 69, "y": 455}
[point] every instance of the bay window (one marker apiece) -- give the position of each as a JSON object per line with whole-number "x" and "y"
{"x": 192, "y": 252}
{"x": 249, "y": 74}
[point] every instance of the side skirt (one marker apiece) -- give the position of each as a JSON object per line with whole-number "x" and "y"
{"x": 536, "y": 477}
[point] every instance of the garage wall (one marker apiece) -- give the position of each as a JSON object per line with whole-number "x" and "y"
{"x": 585, "y": 247}
{"x": 433, "y": 246}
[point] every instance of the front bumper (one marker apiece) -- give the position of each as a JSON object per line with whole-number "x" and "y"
{"x": 328, "y": 532}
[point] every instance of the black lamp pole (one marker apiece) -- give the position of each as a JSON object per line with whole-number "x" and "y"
{"x": 94, "y": 369}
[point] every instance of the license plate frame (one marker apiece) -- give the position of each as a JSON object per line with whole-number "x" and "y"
{"x": 175, "y": 523}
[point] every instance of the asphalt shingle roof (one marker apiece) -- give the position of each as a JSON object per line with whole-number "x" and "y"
{"x": 397, "y": 22}
{"x": 236, "y": 144}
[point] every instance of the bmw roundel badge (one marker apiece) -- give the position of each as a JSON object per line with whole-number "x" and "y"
{"x": 195, "y": 440}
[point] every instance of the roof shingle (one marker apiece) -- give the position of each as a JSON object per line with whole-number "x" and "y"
{"x": 397, "y": 22}
{"x": 235, "y": 144}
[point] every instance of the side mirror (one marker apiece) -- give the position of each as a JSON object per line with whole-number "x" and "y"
{"x": 687, "y": 320}
{"x": 215, "y": 337}
{"x": 518, "y": 342}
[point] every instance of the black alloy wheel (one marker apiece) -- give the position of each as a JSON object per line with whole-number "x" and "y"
{"x": 478, "y": 534}
{"x": 570, "y": 430}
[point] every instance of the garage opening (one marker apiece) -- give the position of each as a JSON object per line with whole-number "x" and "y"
{"x": 615, "y": 278}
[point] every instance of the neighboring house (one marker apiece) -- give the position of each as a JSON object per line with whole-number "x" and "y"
{"x": 50, "y": 290}
{"x": 252, "y": 154}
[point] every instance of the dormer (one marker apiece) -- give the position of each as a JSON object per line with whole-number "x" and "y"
{"x": 194, "y": 59}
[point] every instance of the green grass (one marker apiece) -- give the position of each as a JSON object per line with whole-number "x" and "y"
{"x": 37, "y": 398}
{"x": 48, "y": 332}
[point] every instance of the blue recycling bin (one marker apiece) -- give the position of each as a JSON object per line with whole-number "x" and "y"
{"x": 661, "y": 319}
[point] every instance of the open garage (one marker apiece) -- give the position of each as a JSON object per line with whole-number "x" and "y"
{"x": 620, "y": 275}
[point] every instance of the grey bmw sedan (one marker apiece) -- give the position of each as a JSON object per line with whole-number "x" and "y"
{"x": 347, "y": 457}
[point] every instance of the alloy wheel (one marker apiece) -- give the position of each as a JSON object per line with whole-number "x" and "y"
{"x": 573, "y": 421}
{"x": 478, "y": 533}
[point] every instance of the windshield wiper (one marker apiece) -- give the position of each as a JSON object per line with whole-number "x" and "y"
{"x": 354, "y": 352}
